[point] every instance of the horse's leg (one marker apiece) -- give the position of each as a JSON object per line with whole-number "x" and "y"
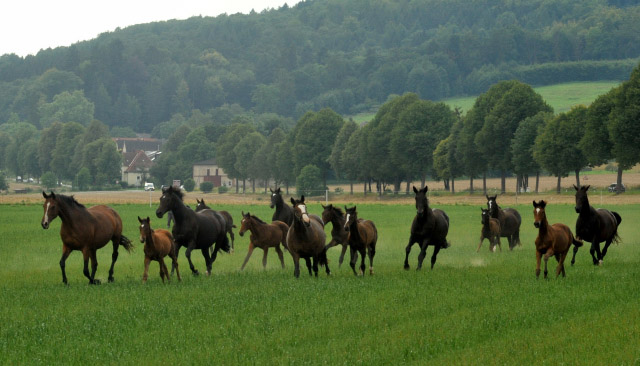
{"x": 497, "y": 240}
{"x": 575, "y": 251}
{"x": 408, "y": 250}
{"x": 174, "y": 265}
{"x": 280, "y": 255}
{"x": 187, "y": 254}
{"x": 246, "y": 259}
{"x": 264, "y": 257}
{"x": 65, "y": 254}
{"x": 114, "y": 258}
{"x": 596, "y": 245}
{"x": 145, "y": 274}
{"x": 164, "y": 271}
{"x": 546, "y": 260}
{"x": 372, "y": 253}
{"x": 233, "y": 238}
{"x": 344, "y": 251}
{"x": 511, "y": 242}
{"x": 296, "y": 264}
{"x": 85, "y": 270}
{"x": 354, "y": 259}
{"x": 606, "y": 247}
{"x": 308, "y": 262}
{"x": 207, "y": 259}
{"x": 94, "y": 266}
{"x": 538, "y": 258}
{"x": 423, "y": 254}
{"x": 315, "y": 265}
{"x": 480, "y": 245}
{"x": 436, "y": 249}
{"x": 560, "y": 268}
{"x": 363, "y": 255}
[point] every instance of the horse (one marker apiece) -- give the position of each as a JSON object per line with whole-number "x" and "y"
{"x": 158, "y": 244}
{"x": 194, "y": 230}
{"x": 553, "y": 240}
{"x": 595, "y": 226}
{"x": 283, "y": 211}
{"x": 339, "y": 235}
{"x": 227, "y": 218}
{"x": 429, "y": 227}
{"x": 490, "y": 230}
{"x": 264, "y": 236}
{"x": 86, "y": 230}
{"x": 363, "y": 236}
{"x": 510, "y": 221}
{"x": 306, "y": 238}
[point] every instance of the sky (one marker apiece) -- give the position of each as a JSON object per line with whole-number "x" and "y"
{"x": 26, "y": 26}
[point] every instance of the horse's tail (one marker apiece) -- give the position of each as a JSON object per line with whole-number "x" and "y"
{"x": 616, "y": 237}
{"x": 322, "y": 257}
{"x": 234, "y": 226}
{"x": 576, "y": 242}
{"x": 126, "y": 243}
{"x": 226, "y": 246}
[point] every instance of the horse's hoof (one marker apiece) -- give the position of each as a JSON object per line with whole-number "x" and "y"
{"x": 110, "y": 279}
{"x": 95, "y": 282}
{"x": 600, "y": 262}
{"x": 196, "y": 273}
{"x": 406, "y": 267}
{"x": 208, "y": 273}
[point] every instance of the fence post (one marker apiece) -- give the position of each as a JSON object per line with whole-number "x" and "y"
{"x": 326, "y": 197}
{"x": 149, "y": 198}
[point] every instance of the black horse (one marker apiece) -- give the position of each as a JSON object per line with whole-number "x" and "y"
{"x": 510, "y": 221}
{"x": 283, "y": 212}
{"x": 339, "y": 235}
{"x": 227, "y": 218}
{"x": 594, "y": 225}
{"x": 429, "y": 227}
{"x": 194, "y": 230}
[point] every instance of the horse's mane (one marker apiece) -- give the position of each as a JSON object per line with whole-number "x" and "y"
{"x": 177, "y": 191}
{"x": 69, "y": 201}
{"x": 338, "y": 210}
{"x": 257, "y": 219}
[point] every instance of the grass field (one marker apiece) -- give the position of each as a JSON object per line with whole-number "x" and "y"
{"x": 473, "y": 308}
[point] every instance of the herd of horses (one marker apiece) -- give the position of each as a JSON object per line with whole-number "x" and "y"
{"x": 302, "y": 234}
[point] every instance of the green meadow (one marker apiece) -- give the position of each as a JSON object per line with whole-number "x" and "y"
{"x": 472, "y": 308}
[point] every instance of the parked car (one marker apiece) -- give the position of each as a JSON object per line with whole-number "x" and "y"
{"x": 149, "y": 187}
{"x": 613, "y": 187}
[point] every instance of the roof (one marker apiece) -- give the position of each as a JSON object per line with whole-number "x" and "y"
{"x": 137, "y": 162}
{"x": 212, "y": 161}
{"x": 133, "y": 144}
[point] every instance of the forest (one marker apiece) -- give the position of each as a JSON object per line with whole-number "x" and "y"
{"x": 205, "y": 84}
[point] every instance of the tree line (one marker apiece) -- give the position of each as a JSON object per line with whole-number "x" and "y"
{"x": 341, "y": 54}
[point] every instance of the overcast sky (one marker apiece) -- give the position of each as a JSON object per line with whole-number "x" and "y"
{"x": 26, "y": 26}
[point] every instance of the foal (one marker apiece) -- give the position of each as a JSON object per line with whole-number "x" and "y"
{"x": 363, "y": 237}
{"x": 158, "y": 244}
{"x": 264, "y": 236}
{"x": 490, "y": 230}
{"x": 552, "y": 240}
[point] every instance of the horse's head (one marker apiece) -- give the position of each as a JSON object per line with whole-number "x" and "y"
{"x": 581, "y": 197}
{"x": 145, "y": 228}
{"x": 492, "y": 204}
{"x": 330, "y": 212}
{"x": 245, "y": 224}
{"x": 300, "y": 210}
{"x": 422, "y": 203}
{"x": 200, "y": 205}
{"x": 50, "y": 209}
{"x": 539, "y": 216}
{"x": 170, "y": 199}
{"x": 352, "y": 216}
{"x": 276, "y": 198}
{"x": 486, "y": 216}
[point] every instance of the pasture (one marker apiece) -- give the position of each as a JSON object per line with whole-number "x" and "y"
{"x": 472, "y": 308}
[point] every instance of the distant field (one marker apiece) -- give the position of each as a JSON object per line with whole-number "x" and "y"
{"x": 560, "y": 96}
{"x": 473, "y": 308}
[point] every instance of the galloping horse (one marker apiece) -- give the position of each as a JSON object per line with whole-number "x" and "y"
{"x": 194, "y": 230}
{"x": 86, "y": 230}
{"x": 158, "y": 244}
{"x": 595, "y": 226}
{"x": 283, "y": 211}
{"x": 429, "y": 227}
{"x": 510, "y": 221}
{"x": 227, "y": 218}
{"x": 552, "y": 240}
{"x": 339, "y": 235}
{"x": 264, "y": 236}
{"x": 306, "y": 238}
{"x": 363, "y": 237}
{"x": 490, "y": 230}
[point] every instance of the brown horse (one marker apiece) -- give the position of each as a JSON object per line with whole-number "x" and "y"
{"x": 306, "y": 238}
{"x": 363, "y": 237}
{"x": 86, "y": 230}
{"x": 158, "y": 244}
{"x": 227, "y": 218}
{"x": 510, "y": 221}
{"x": 490, "y": 230}
{"x": 339, "y": 235}
{"x": 264, "y": 236}
{"x": 552, "y": 240}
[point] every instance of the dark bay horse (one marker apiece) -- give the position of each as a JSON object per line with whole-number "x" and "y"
{"x": 595, "y": 225}
{"x": 158, "y": 244}
{"x": 194, "y": 230}
{"x": 429, "y": 227}
{"x": 264, "y": 236}
{"x": 86, "y": 230}
{"x": 306, "y": 238}
{"x": 553, "y": 240}
{"x": 490, "y": 231}
{"x": 283, "y": 211}
{"x": 510, "y": 221}
{"x": 339, "y": 235}
{"x": 363, "y": 236}
{"x": 227, "y": 218}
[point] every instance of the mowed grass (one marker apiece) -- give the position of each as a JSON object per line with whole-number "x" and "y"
{"x": 472, "y": 308}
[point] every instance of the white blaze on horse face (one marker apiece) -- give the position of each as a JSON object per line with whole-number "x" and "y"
{"x": 305, "y": 215}
{"x": 538, "y": 211}
{"x": 346, "y": 222}
{"x": 46, "y": 214}
{"x": 490, "y": 204}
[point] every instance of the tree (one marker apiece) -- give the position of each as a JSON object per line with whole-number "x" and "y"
{"x": 244, "y": 152}
{"x": 225, "y": 150}
{"x": 47, "y": 145}
{"x": 596, "y": 144}
{"x": 4, "y": 186}
{"x": 309, "y": 181}
{"x": 49, "y": 180}
{"x": 66, "y": 142}
{"x": 67, "y": 107}
{"x": 83, "y": 179}
{"x": 351, "y": 158}
{"x": 335, "y": 159}
{"x": 522, "y": 147}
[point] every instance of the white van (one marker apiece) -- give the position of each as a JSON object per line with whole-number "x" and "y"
{"x": 149, "y": 187}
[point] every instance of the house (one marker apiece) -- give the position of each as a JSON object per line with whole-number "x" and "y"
{"x": 209, "y": 171}
{"x": 152, "y": 147}
{"x": 135, "y": 168}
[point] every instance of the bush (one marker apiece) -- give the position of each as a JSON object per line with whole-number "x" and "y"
{"x": 223, "y": 189}
{"x": 189, "y": 185}
{"x": 49, "y": 180}
{"x": 4, "y": 186}
{"x": 309, "y": 181}
{"x": 83, "y": 179}
{"x": 206, "y": 187}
